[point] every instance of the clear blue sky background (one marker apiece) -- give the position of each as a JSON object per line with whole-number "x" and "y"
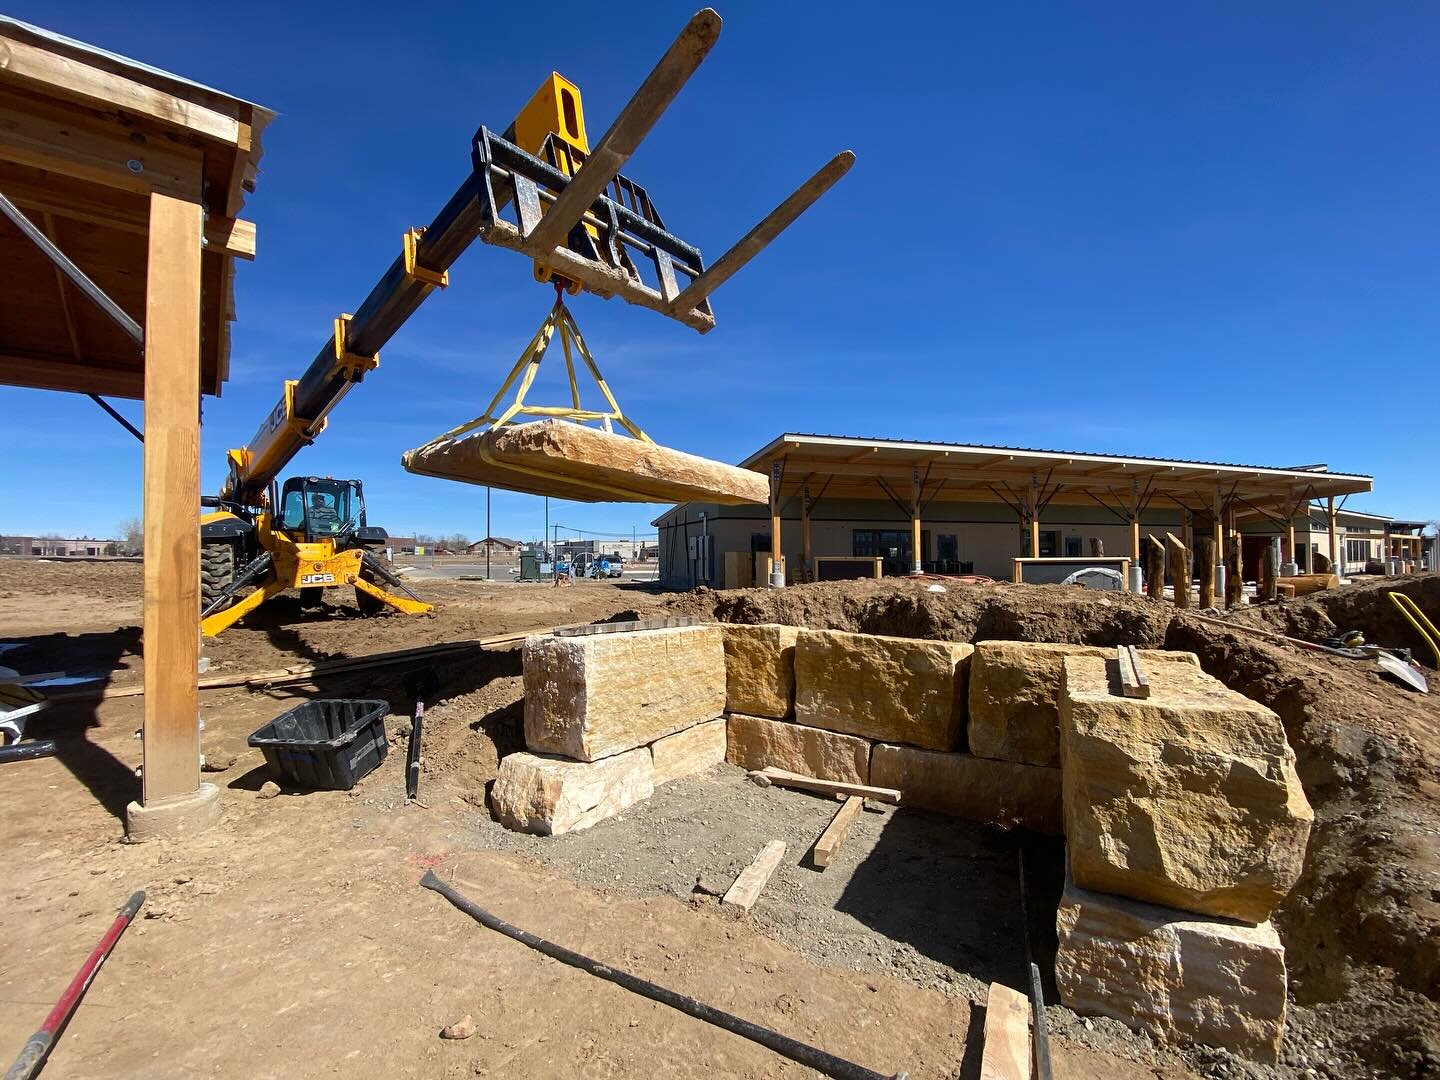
{"x": 1122, "y": 227}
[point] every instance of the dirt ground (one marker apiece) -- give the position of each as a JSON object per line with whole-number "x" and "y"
{"x": 292, "y": 940}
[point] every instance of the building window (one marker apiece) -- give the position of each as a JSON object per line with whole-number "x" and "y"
{"x": 1074, "y": 549}
{"x": 1357, "y": 551}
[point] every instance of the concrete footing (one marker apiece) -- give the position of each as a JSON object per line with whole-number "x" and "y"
{"x": 175, "y": 818}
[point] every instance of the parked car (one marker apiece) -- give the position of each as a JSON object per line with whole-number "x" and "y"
{"x": 617, "y": 566}
{"x": 600, "y": 568}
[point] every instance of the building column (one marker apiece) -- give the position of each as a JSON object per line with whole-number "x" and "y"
{"x": 173, "y": 801}
{"x": 777, "y": 564}
{"x": 807, "y": 566}
{"x": 917, "y": 556}
{"x": 1337, "y": 560}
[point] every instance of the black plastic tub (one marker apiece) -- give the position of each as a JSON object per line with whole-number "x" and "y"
{"x": 327, "y": 745}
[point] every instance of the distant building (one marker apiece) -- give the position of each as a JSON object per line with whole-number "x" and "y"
{"x": 495, "y": 545}
{"x": 56, "y": 548}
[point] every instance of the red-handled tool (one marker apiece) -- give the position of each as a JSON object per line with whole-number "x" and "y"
{"x": 37, "y": 1049}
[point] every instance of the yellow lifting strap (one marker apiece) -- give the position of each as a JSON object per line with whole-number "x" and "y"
{"x": 558, "y": 321}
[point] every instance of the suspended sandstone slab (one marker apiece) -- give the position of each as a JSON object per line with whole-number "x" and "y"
{"x": 569, "y": 461}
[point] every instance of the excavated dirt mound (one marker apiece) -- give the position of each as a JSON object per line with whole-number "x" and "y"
{"x": 1362, "y": 927}
{"x": 908, "y": 608}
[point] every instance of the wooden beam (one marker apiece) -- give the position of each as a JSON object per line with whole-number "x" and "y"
{"x": 228, "y": 236}
{"x": 836, "y": 831}
{"x": 1006, "y": 1054}
{"x": 1177, "y": 555}
{"x": 33, "y": 132}
{"x": 1337, "y": 561}
{"x": 35, "y": 67}
{"x": 1154, "y": 568}
{"x": 746, "y": 888}
{"x": 172, "y": 499}
{"x": 784, "y": 778}
{"x": 58, "y": 373}
{"x": 1205, "y": 565}
{"x": 1134, "y": 680}
{"x": 63, "y": 286}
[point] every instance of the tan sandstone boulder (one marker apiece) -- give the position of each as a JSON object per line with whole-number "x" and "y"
{"x": 1015, "y": 696}
{"x": 760, "y": 670}
{"x": 756, "y": 742}
{"x": 1188, "y": 798}
{"x": 1183, "y": 978}
{"x": 688, "y": 752}
{"x": 549, "y": 795}
{"x": 1002, "y": 793}
{"x": 891, "y": 689}
{"x": 591, "y": 696}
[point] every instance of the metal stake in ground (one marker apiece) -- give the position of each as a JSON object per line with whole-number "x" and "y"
{"x": 420, "y": 684}
{"x": 806, "y": 1055}
{"x": 37, "y": 1049}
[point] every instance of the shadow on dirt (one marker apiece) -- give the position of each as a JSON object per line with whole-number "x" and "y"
{"x": 109, "y": 780}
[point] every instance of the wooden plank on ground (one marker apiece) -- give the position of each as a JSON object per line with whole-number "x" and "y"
{"x": 1134, "y": 679}
{"x": 1006, "y": 1054}
{"x": 785, "y": 778}
{"x": 835, "y": 832}
{"x": 746, "y": 889}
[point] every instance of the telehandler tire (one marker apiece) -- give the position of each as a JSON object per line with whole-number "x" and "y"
{"x": 217, "y": 571}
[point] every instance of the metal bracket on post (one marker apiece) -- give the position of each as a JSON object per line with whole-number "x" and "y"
{"x": 352, "y": 365}
{"x": 414, "y": 271}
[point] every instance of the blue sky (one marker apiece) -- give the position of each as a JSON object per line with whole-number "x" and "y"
{"x": 1204, "y": 232}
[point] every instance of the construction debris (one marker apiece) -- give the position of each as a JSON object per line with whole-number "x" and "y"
{"x": 747, "y": 887}
{"x": 835, "y": 832}
{"x": 784, "y": 778}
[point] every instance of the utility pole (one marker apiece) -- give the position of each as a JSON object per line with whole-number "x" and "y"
{"x": 487, "y": 532}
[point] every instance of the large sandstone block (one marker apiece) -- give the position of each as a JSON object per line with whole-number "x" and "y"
{"x": 591, "y": 696}
{"x": 755, "y": 742}
{"x": 1188, "y": 798}
{"x": 892, "y": 689}
{"x": 760, "y": 669}
{"x": 1015, "y": 696}
{"x": 549, "y": 795}
{"x": 1181, "y": 977}
{"x": 688, "y": 752}
{"x": 1003, "y": 793}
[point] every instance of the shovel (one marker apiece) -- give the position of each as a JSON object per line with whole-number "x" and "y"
{"x": 419, "y": 684}
{"x": 1385, "y": 662}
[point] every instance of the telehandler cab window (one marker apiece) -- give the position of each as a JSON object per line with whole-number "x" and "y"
{"x": 323, "y": 508}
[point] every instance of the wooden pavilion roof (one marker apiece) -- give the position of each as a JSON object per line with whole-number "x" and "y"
{"x": 853, "y": 467}
{"x": 85, "y": 137}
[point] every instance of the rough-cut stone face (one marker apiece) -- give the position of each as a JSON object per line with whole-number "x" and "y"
{"x": 1183, "y": 978}
{"x": 688, "y": 752}
{"x": 1188, "y": 798}
{"x": 1015, "y": 696}
{"x": 548, "y": 795}
{"x": 1002, "y": 793}
{"x": 591, "y": 696}
{"x": 760, "y": 670}
{"x": 570, "y": 461}
{"x": 756, "y": 742}
{"x": 893, "y": 689}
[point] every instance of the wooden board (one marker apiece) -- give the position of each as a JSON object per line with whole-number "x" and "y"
{"x": 835, "y": 832}
{"x": 1006, "y": 1054}
{"x": 569, "y": 461}
{"x": 1134, "y": 680}
{"x": 746, "y": 889}
{"x": 785, "y": 778}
